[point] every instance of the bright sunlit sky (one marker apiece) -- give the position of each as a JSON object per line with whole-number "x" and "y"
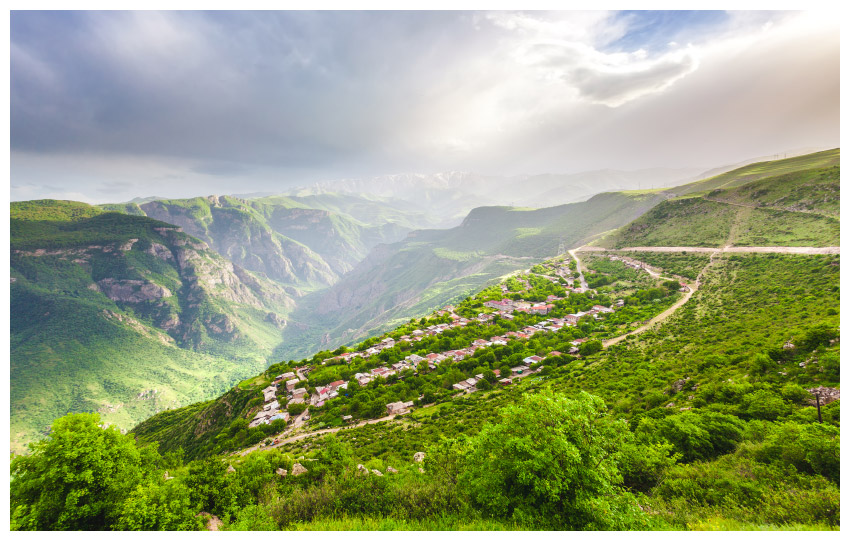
{"x": 106, "y": 106}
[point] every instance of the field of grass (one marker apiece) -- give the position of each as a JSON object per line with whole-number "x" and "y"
{"x": 753, "y": 214}
{"x": 814, "y": 190}
{"x": 687, "y": 264}
{"x": 678, "y": 222}
{"x": 768, "y": 227}
{"x": 760, "y": 170}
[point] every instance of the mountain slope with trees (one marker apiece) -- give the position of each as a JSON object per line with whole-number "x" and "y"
{"x": 126, "y": 315}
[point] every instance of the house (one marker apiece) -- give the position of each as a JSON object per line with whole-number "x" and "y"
{"x": 290, "y": 384}
{"x": 505, "y": 381}
{"x": 479, "y": 377}
{"x": 541, "y": 309}
{"x": 382, "y": 372}
{"x": 504, "y": 304}
{"x": 287, "y": 376}
{"x": 414, "y": 358}
{"x": 460, "y": 386}
{"x": 517, "y": 370}
{"x": 417, "y": 332}
{"x": 600, "y": 308}
{"x": 280, "y": 415}
{"x": 620, "y": 303}
{"x": 271, "y": 406}
{"x": 339, "y": 384}
{"x": 573, "y": 350}
{"x": 398, "y": 408}
{"x": 531, "y": 360}
{"x": 480, "y": 342}
{"x": 578, "y": 341}
{"x": 346, "y": 418}
{"x": 555, "y": 353}
{"x": 299, "y": 392}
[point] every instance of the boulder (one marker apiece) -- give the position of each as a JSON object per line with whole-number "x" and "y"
{"x": 376, "y": 472}
{"x": 827, "y": 395}
{"x": 419, "y": 457}
{"x": 281, "y": 472}
{"x": 230, "y": 469}
{"x": 678, "y": 385}
{"x": 298, "y": 469}
{"x": 390, "y": 469}
{"x": 361, "y": 469}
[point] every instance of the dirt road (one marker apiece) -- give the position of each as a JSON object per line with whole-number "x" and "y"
{"x": 660, "y": 317}
{"x": 804, "y": 250}
{"x": 304, "y": 435}
{"x": 582, "y": 281}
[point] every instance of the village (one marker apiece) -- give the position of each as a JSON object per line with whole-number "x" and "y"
{"x": 293, "y": 386}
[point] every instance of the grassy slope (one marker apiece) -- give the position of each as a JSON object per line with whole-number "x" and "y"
{"x": 760, "y": 170}
{"x": 749, "y": 310}
{"x": 758, "y": 213}
{"x": 811, "y": 190}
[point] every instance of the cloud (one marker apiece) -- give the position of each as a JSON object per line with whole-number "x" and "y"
{"x": 188, "y": 103}
{"x": 581, "y": 64}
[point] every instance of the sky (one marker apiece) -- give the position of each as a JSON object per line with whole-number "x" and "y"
{"x": 110, "y": 105}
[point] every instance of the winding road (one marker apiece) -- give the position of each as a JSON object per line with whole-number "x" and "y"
{"x": 803, "y": 250}
{"x": 692, "y": 287}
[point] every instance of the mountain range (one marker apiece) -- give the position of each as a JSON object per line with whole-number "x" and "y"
{"x": 172, "y": 301}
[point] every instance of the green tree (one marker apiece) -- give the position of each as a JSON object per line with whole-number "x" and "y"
{"x": 552, "y": 462}
{"x": 589, "y": 348}
{"x": 77, "y": 478}
{"x": 162, "y": 505}
{"x": 484, "y": 385}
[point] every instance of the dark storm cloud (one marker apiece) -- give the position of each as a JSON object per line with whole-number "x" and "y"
{"x": 283, "y": 88}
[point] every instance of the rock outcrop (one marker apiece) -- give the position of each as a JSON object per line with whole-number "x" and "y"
{"x": 827, "y": 395}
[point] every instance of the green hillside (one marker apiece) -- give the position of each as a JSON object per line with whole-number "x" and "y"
{"x": 108, "y": 308}
{"x": 760, "y": 170}
{"x": 306, "y": 242}
{"x": 698, "y": 408}
{"x": 794, "y": 209}
{"x": 700, "y": 392}
{"x": 237, "y": 231}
